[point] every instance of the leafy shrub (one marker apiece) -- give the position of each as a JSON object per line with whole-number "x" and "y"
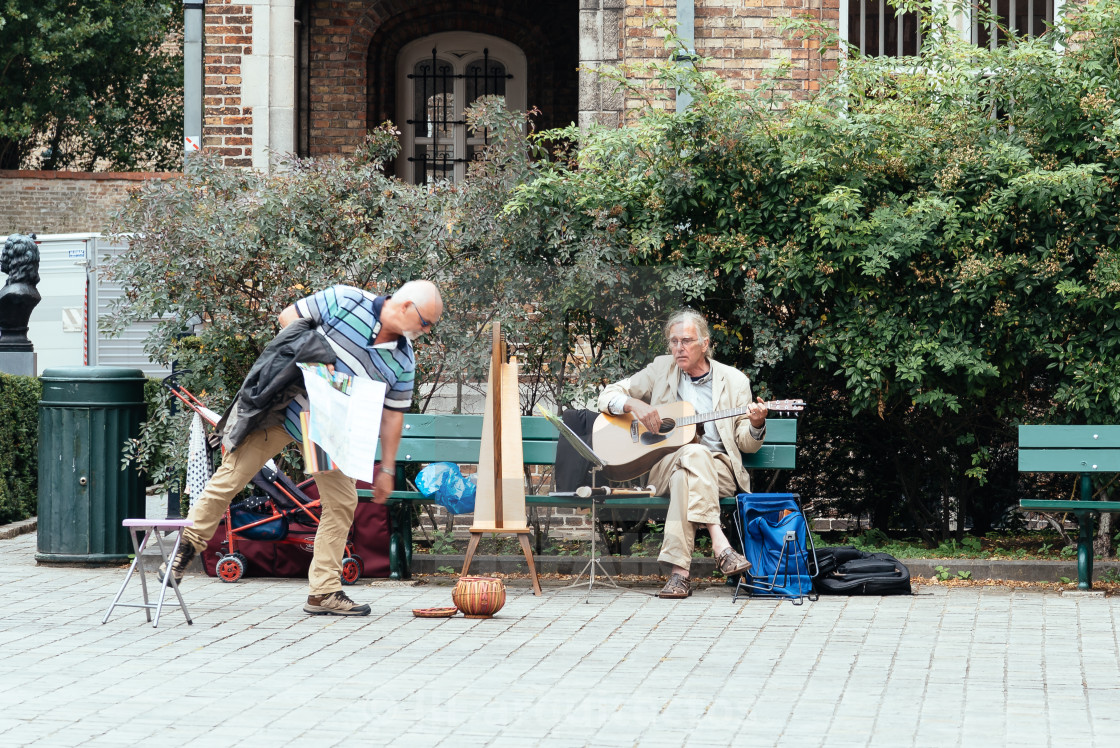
{"x": 926, "y": 251}
{"x": 19, "y": 457}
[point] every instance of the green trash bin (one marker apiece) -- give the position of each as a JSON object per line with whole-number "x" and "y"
{"x": 86, "y": 415}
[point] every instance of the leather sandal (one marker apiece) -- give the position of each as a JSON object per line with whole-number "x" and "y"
{"x": 677, "y": 588}
{"x": 731, "y": 563}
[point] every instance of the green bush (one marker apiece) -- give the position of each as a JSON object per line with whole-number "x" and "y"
{"x": 19, "y": 457}
{"x": 925, "y": 250}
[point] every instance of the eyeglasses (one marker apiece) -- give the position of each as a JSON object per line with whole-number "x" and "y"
{"x": 681, "y": 342}
{"x": 423, "y": 322}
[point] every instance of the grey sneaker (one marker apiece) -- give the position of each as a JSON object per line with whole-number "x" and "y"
{"x": 179, "y": 564}
{"x": 334, "y": 604}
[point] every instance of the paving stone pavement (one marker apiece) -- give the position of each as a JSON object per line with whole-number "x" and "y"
{"x": 943, "y": 667}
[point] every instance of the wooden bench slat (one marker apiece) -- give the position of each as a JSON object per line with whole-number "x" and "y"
{"x": 781, "y": 431}
{"x": 1068, "y": 505}
{"x": 768, "y": 457}
{"x": 1069, "y": 437}
{"x": 437, "y": 426}
{"x": 772, "y": 457}
{"x": 431, "y": 426}
{"x": 466, "y": 451}
{"x": 1069, "y": 460}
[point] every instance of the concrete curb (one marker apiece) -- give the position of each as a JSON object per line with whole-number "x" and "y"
{"x": 1017, "y": 571}
{"x": 1011, "y": 571}
{"x": 19, "y": 528}
{"x": 424, "y": 563}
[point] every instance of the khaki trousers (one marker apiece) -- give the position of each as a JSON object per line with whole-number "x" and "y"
{"x": 695, "y": 478}
{"x": 338, "y": 494}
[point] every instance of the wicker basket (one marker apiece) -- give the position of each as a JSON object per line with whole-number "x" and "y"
{"x": 479, "y": 597}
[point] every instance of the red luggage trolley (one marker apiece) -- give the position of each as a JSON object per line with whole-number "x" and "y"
{"x": 284, "y": 514}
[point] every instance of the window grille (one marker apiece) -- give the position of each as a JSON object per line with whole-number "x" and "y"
{"x": 876, "y": 30}
{"x": 441, "y": 95}
{"x": 1020, "y": 17}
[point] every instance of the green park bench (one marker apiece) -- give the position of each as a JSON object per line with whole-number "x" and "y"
{"x": 454, "y": 438}
{"x": 1085, "y": 450}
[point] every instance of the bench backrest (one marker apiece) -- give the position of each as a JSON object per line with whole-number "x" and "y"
{"x": 1069, "y": 449}
{"x": 439, "y": 437}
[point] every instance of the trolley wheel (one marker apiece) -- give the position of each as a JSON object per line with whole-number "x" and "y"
{"x": 361, "y": 564}
{"x": 230, "y": 568}
{"x": 351, "y": 570}
{"x": 241, "y": 557}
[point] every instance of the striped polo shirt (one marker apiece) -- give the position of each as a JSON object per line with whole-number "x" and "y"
{"x": 350, "y": 319}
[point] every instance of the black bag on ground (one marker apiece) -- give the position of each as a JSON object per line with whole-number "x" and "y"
{"x": 847, "y": 571}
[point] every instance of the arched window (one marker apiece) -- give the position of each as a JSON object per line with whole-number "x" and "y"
{"x": 439, "y": 76}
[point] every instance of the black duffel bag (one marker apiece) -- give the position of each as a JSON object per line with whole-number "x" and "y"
{"x": 844, "y": 570}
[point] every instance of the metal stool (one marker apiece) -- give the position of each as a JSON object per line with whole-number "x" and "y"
{"x": 152, "y": 527}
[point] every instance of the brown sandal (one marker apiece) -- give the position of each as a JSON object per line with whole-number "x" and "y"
{"x": 731, "y": 563}
{"x": 677, "y": 588}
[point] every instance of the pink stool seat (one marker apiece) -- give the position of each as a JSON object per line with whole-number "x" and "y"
{"x": 167, "y": 525}
{"x": 151, "y": 528}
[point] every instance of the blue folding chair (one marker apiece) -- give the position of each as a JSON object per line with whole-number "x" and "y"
{"x": 776, "y": 541}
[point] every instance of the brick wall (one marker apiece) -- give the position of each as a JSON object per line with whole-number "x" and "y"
{"x": 227, "y": 126}
{"x": 742, "y": 38}
{"x": 62, "y": 202}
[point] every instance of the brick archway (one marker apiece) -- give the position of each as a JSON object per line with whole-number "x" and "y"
{"x": 353, "y": 48}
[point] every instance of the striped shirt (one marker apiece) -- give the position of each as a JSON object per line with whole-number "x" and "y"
{"x": 350, "y": 319}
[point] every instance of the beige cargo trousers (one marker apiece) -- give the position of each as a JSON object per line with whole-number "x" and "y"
{"x": 337, "y": 493}
{"x": 695, "y": 478}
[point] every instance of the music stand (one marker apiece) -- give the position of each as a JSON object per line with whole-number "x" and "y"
{"x": 597, "y": 464}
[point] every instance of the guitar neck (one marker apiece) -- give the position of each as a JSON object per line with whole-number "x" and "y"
{"x": 715, "y": 415}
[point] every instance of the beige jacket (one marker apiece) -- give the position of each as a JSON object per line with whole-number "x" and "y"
{"x": 657, "y": 384}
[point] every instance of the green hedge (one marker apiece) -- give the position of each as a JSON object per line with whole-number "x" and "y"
{"x": 19, "y": 439}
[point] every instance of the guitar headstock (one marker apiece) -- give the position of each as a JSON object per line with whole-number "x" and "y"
{"x": 783, "y": 407}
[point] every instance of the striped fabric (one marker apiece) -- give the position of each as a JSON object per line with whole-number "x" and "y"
{"x": 350, "y": 319}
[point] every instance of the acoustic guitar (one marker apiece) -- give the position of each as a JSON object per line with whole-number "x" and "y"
{"x": 629, "y": 449}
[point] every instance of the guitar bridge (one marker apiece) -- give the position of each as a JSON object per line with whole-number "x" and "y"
{"x": 634, "y": 431}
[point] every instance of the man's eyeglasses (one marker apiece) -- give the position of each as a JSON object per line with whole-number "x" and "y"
{"x": 681, "y": 342}
{"x": 423, "y": 322}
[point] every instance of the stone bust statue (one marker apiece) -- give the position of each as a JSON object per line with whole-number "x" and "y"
{"x": 20, "y": 260}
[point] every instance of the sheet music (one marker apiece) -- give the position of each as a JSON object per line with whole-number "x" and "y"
{"x": 579, "y": 445}
{"x": 345, "y": 417}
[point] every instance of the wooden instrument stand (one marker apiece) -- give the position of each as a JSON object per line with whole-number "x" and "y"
{"x": 500, "y": 499}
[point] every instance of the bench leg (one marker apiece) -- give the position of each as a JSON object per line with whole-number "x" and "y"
{"x": 1085, "y": 551}
{"x": 398, "y": 568}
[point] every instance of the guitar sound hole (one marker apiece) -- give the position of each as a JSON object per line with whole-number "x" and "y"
{"x": 667, "y": 425}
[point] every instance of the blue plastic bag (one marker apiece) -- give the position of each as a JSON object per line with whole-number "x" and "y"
{"x": 444, "y": 483}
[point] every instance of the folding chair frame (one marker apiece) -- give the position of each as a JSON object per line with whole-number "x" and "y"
{"x": 790, "y": 544}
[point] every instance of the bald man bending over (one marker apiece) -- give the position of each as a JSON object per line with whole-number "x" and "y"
{"x": 366, "y": 336}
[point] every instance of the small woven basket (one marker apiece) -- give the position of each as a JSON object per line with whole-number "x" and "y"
{"x": 479, "y": 597}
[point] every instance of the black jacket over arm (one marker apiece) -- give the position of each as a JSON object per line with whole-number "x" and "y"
{"x": 273, "y": 381}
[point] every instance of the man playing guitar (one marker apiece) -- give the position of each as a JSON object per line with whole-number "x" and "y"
{"x": 698, "y": 473}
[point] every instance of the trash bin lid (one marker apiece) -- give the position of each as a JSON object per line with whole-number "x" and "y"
{"x": 96, "y": 386}
{"x": 92, "y": 372}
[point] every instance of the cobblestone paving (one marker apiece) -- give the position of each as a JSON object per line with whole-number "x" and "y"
{"x": 960, "y": 667}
